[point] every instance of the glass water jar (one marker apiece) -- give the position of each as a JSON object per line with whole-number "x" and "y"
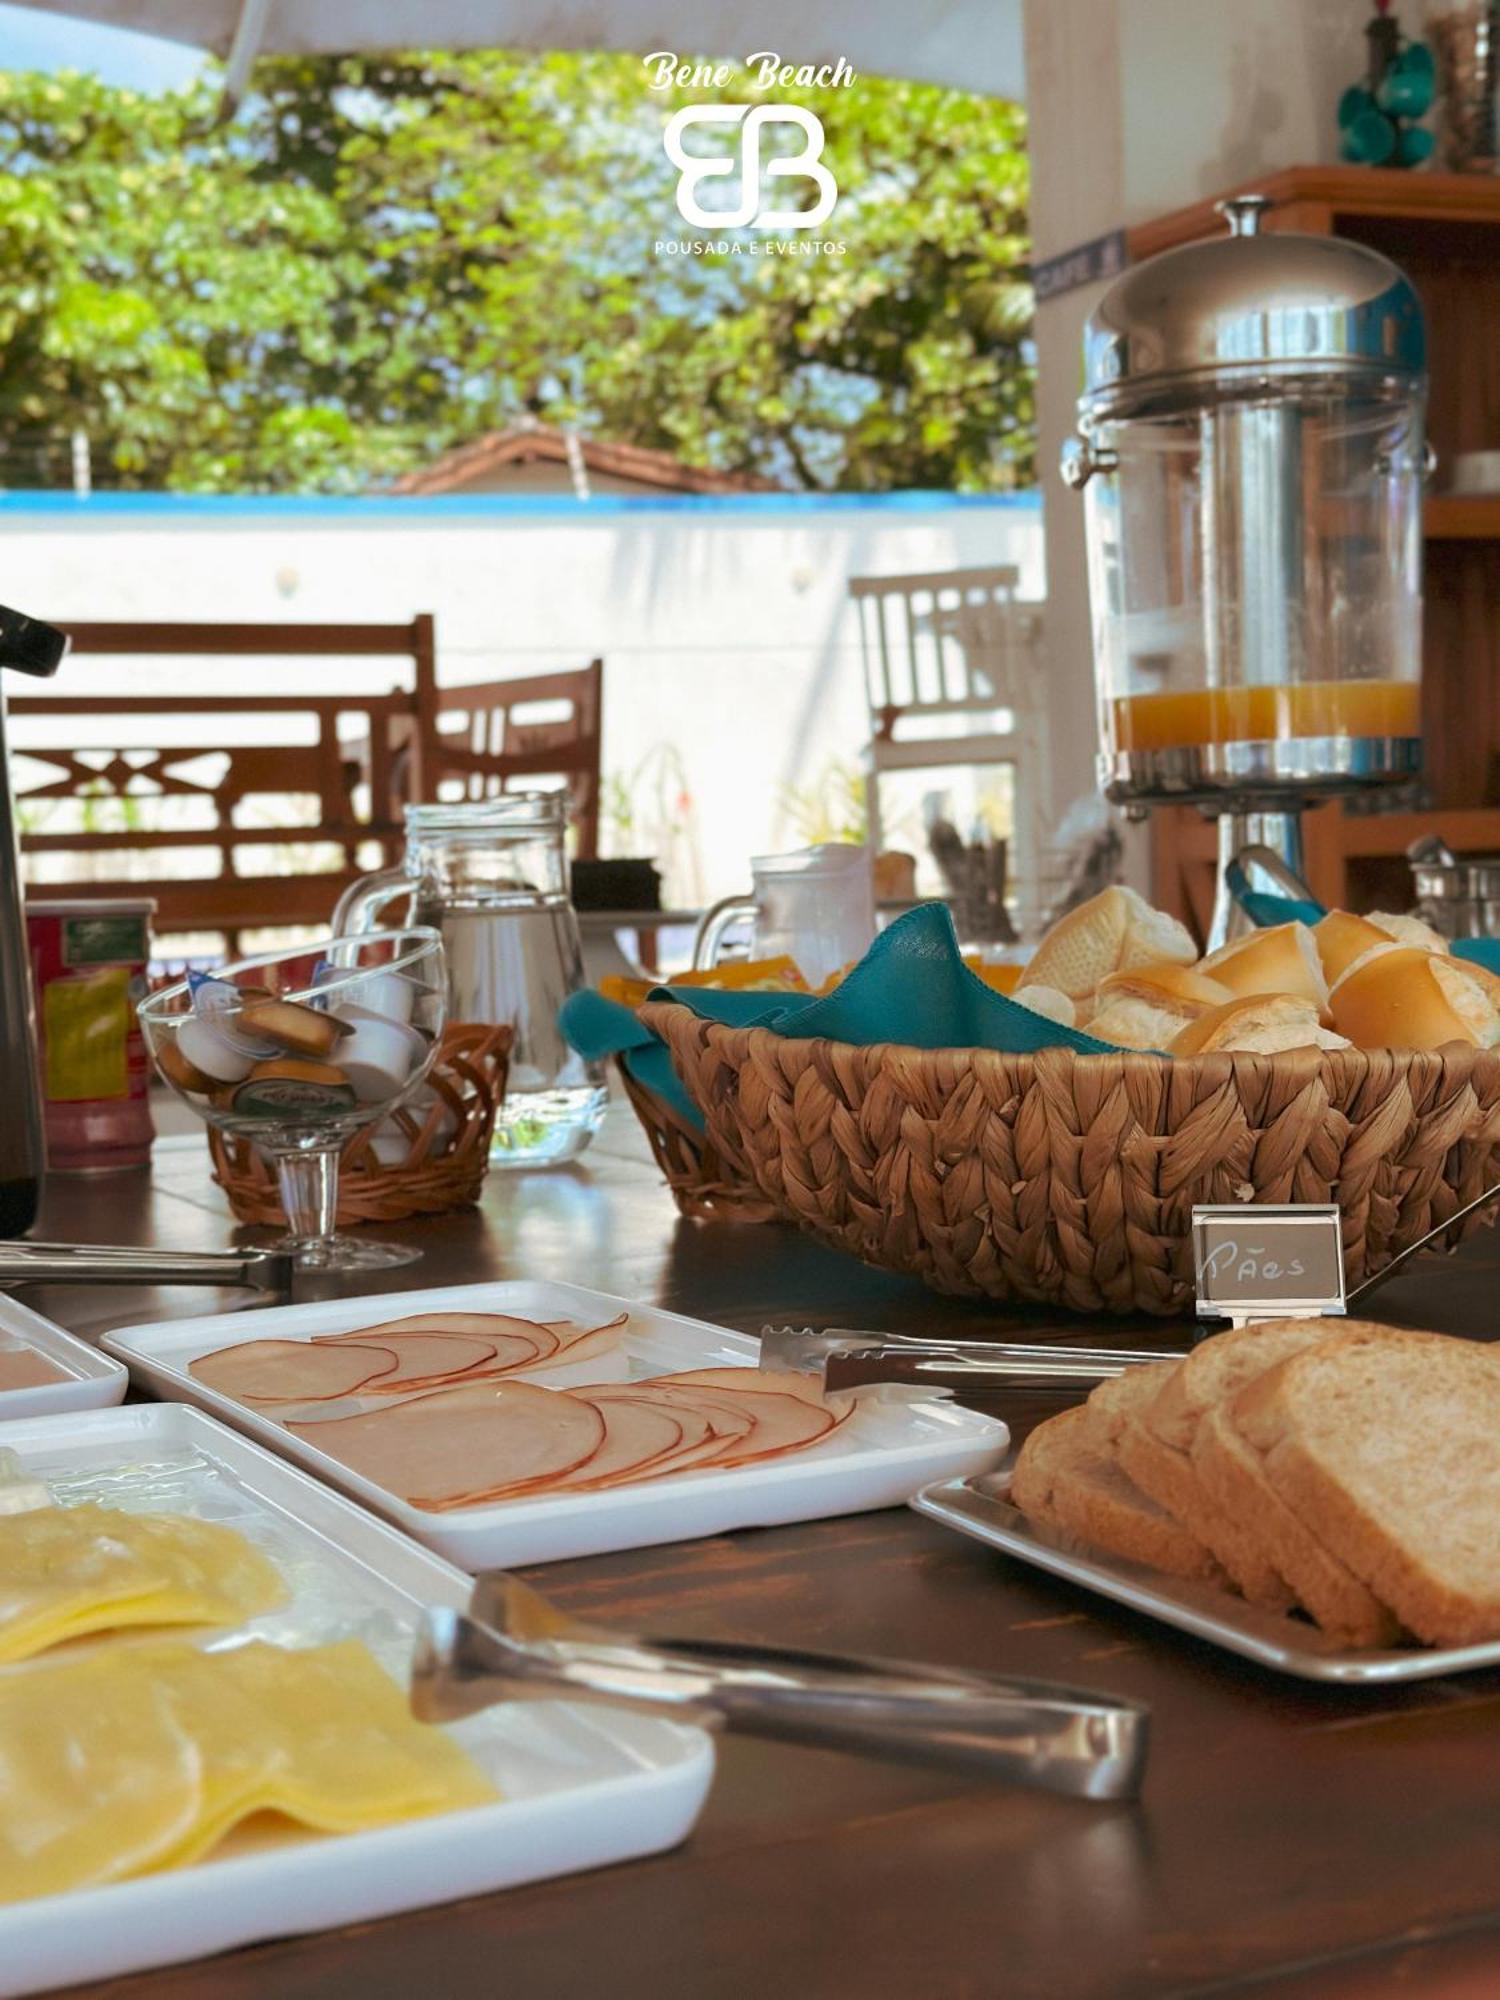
{"x": 491, "y": 877}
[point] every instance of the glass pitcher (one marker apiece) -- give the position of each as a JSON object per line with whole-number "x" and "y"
{"x": 816, "y": 906}
{"x": 491, "y": 876}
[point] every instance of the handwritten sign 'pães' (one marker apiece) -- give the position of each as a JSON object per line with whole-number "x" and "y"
{"x": 1258, "y": 1262}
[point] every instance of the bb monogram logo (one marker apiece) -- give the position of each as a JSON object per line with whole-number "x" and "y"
{"x": 752, "y": 166}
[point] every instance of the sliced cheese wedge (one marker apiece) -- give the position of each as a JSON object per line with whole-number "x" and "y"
{"x": 137, "y": 1756}
{"x": 99, "y": 1777}
{"x": 66, "y": 1571}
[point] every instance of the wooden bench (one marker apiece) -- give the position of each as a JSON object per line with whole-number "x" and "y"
{"x": 127, "y": 801}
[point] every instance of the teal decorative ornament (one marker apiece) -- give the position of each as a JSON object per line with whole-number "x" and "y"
{"x": 1377, "y": 117}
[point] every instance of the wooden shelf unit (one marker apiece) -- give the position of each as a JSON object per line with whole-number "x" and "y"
{"x": 1444, "y": 232}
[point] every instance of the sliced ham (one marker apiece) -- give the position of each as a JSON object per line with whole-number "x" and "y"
{"x": 481, "y": 1438}
{"x": 24, "y": 1368}
{"x": 584, "y": 1342}
{"x": 291, "y": 1371}
{"x": 639, "y": 1437}
{"x": 778, "y": 1423}
{"x": 758, "y": 1381}
{"x": 430, "y": 1360}
{"x": 702, "y": 1431}
{"x": 500, "y": 1329}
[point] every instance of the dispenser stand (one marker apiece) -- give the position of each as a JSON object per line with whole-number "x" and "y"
{"x": 1281, "y": 832}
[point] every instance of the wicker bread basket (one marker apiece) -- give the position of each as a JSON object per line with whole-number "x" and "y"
{"x": 1068, "y": 1180}
{"x": 704, "y": 1187}
{"x": 447, "y": 1144}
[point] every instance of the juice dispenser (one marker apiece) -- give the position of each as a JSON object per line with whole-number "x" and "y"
{"x": 1251, "y": 447}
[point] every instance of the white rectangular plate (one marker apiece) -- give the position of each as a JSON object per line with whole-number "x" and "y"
{"x": 981, "y": 1508}
{"x": 878, "y": 1459}
{"x": 582, "y": 1786}
{"x": 93, "y": 1379}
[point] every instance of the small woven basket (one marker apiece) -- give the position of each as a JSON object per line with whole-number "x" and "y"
{"x": 1069, "y": 1180}
{"x": 443, "y": 1168}
{"x": 704, "y": 1187}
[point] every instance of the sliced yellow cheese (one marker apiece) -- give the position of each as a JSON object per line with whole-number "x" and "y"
{"x": 350, "y": 1753}
{"x": 98, "y": 1778}
{"x": 65, "y": 1571}
{"x": 142, "y": 1755}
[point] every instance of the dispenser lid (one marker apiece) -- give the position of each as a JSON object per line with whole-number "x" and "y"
{"x": 1218, "y": 317}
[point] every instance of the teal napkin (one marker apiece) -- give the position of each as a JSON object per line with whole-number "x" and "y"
{"x": 1266, "y": 911}
{"x": 597, "y": 1028}
{"x": 911, "y": 987}
{"x": 1479, "y": 951}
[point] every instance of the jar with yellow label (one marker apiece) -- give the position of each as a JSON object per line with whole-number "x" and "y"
{"x": 88, "y": 967}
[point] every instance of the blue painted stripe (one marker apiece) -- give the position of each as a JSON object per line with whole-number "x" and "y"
{"x": 373, "y": 509}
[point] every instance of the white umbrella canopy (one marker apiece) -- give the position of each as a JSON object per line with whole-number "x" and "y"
{"x": 967, "y": 44}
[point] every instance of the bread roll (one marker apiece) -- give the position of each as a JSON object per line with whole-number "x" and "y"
{"x": 1147, "y": 1008}
{"x": 1341, "y": 938}
{"x": 1403, "y": 997}
{"x": 1048, "y": 1002}
{"x": 1408, "y": 930}
{"x": 1257, "y": 1024}
{"x": 1112, "y": 932}
{"x": 1283, "y": 959}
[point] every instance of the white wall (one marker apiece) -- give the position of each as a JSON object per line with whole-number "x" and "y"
{"x": 725, "y": 627}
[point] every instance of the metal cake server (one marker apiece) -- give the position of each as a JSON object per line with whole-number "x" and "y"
{"x": 514, "y": 1644}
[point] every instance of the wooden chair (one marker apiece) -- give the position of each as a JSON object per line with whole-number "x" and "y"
{"x": 158, "y": 799}
{"x": 954, "y": 675}
{"x": 499, "y": 736}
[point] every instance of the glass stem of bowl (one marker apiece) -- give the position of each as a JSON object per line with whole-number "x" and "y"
{"x": 309, "y": 1183}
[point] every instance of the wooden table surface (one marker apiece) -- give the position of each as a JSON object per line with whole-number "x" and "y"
{"x": 1306, "y": 1842}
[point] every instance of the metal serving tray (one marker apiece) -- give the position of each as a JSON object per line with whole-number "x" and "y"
{"x": 981, "y": 1507}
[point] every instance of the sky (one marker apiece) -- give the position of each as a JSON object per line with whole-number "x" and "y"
{"x": 33, "y": 40}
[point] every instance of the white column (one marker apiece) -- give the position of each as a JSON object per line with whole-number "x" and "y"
{"x": 1135, "y": 108}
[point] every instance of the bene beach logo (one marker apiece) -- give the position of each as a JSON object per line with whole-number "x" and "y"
{"x": 763, "y": 150}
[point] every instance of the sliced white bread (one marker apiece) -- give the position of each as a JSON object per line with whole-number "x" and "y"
{"x": 1222, "y": 1365}
{"x": 1065, "y": 1478}
{"x": 1289, "y": 1537}
{"x": 1122, "y": 1409}
{"x": 1161, "y": 1459}
{"x": 1391, "y": 1443}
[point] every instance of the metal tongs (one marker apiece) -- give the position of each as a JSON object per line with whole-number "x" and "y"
{"x": 514, "y": 1645}
{"x": 122, "y": 1264}
{"x": 839, "y": 1354}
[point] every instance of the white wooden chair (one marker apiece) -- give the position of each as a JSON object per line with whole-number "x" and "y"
{"x": 955, "y": 677}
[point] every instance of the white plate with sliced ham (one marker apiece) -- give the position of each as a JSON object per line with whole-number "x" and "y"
{"x": 527, "y": 1422}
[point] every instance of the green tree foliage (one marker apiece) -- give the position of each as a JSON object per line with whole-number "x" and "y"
{"x": 380, "y": 258}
